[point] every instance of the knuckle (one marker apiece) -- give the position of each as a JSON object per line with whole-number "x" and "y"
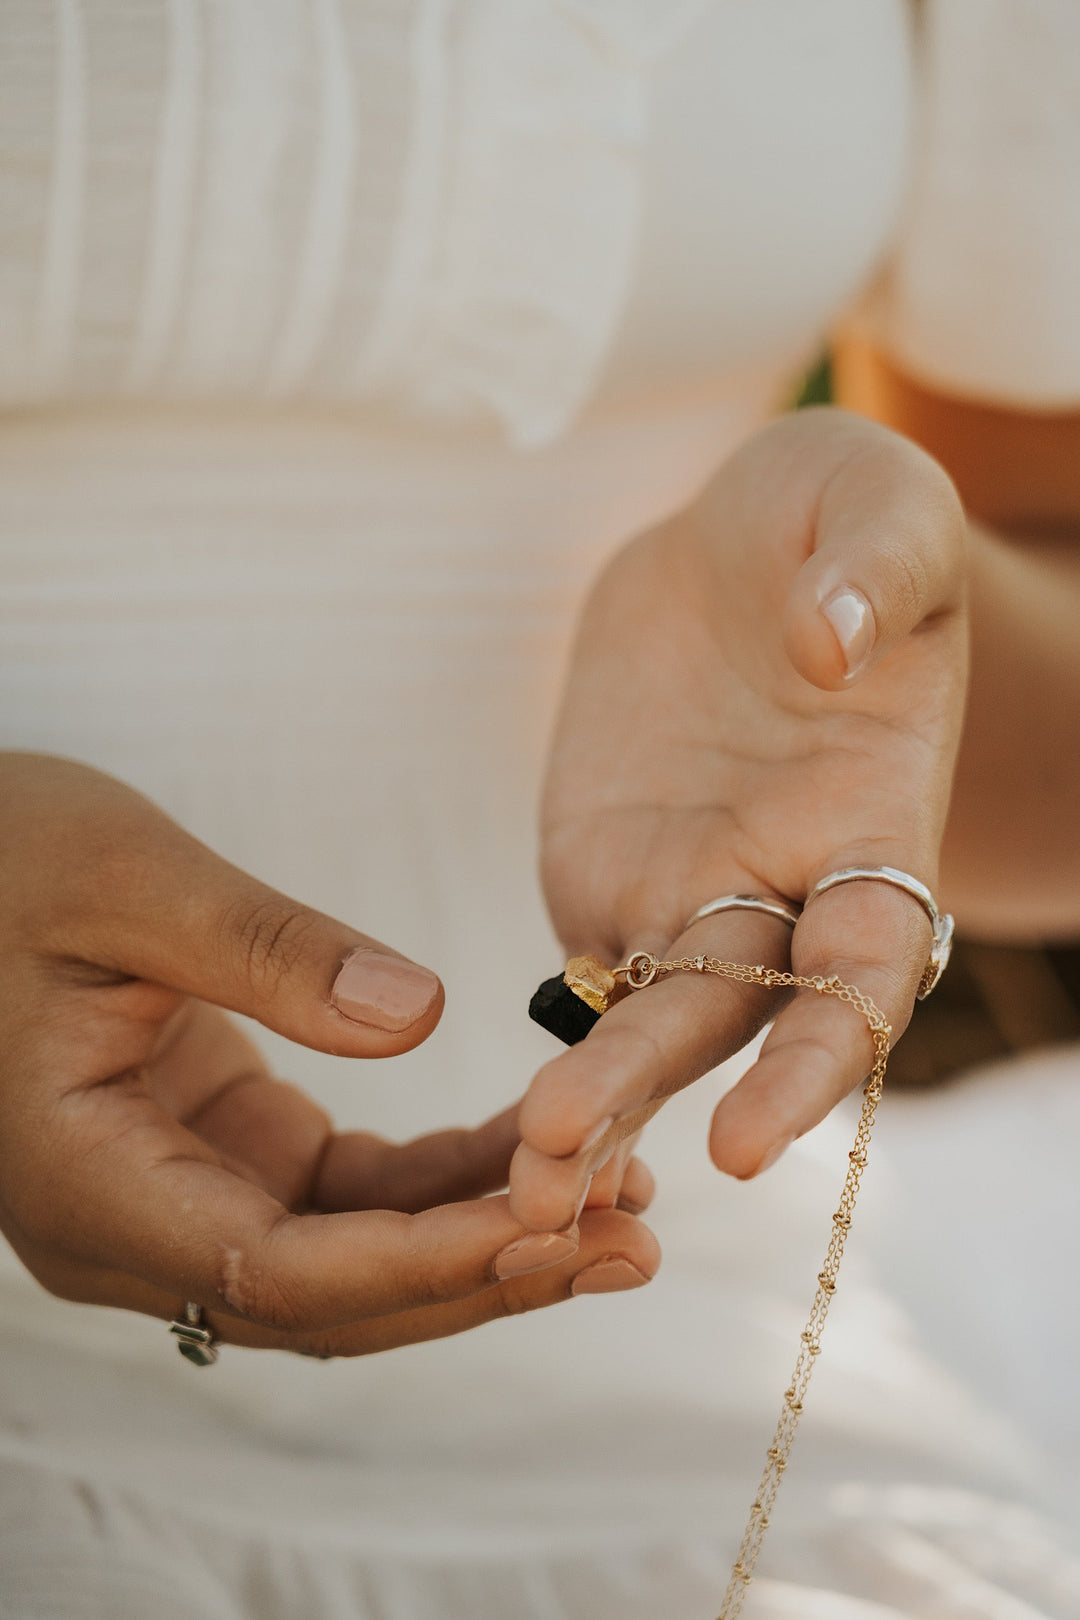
{"x": 254, "y": 1291}
{"x": 38, "y": 1223}
{"x": 62, "y": 1277}
{"x": 271, "y": 935}
{"x": 515, "y": 1297}
{"x": 322, "y": 1347}
{"x": 66, "y": 1284}
{"x": 816, "y": 1056}
{"x": 890, "y": 985}
{"x": 908, "y": 584}
{"x": 422, "y": 1277}
{"x": 56, "y": 1280}
{"x": 416, "y": 1289}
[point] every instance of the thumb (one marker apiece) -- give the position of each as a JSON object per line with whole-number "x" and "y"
{"x": 147, "y": 900}
{"x": 888, "y": 558}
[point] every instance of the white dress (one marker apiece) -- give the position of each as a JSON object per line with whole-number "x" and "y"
{"x": 341, "y": 341}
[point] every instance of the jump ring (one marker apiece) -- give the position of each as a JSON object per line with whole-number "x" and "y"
{"x": 641, "y": 969}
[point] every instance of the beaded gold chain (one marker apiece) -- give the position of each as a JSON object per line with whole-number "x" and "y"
{"x": 641, "y": 969}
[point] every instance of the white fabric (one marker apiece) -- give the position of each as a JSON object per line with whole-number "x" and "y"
{"x": 427, "y": 205}
{"x": 327, "y": 636}
{"x": 416, "y": 200}
{"x": 994, "y": 208}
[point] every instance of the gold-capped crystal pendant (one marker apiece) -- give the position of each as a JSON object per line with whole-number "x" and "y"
{"x": 568, "y": 1006}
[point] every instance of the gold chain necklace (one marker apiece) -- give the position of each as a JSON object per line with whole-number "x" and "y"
{"x": 641, "y": 969}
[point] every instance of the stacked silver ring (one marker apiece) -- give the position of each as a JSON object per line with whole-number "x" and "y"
{"x": 941, "y": 923}
{"x": 746, "y": 902}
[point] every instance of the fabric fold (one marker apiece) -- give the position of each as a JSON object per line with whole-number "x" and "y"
{"x": 528, "y": 269}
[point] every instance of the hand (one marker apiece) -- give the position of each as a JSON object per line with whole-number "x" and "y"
{"x": 765, "y": 689}
{"x": 147, "y": 1157}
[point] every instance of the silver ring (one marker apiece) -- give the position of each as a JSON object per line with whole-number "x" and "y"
{"x": 940, "y": 921}
{"x": 196, "y": 1341}
{"x": 745, "y": 902}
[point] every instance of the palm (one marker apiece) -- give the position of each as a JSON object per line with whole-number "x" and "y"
{"x": 203, "y": 1090}
{"x": 693, "y": 760}
{"x": 209, "y": 1077}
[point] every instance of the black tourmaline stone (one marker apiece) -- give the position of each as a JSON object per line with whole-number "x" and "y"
{"x": 559, "y": 1010}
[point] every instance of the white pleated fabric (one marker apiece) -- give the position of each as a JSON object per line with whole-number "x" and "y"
{"x": 342, "y": 340}
{"x": 404, "y": 200}
{"x": 994, "y": 207}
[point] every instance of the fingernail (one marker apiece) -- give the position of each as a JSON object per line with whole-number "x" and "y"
{"x": 852, "y": 620}
{"x": 594, "y": 1135}
{"x": 386, "y": 992}
{"x": 777, "y": 1151}
{"x": 535, "y": 1252}
{"x": 584, "y": 1194}
{"x": 608, "y": 1277}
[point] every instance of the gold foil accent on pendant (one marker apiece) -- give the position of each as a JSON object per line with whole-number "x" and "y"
{"x": 593, "y": 983}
